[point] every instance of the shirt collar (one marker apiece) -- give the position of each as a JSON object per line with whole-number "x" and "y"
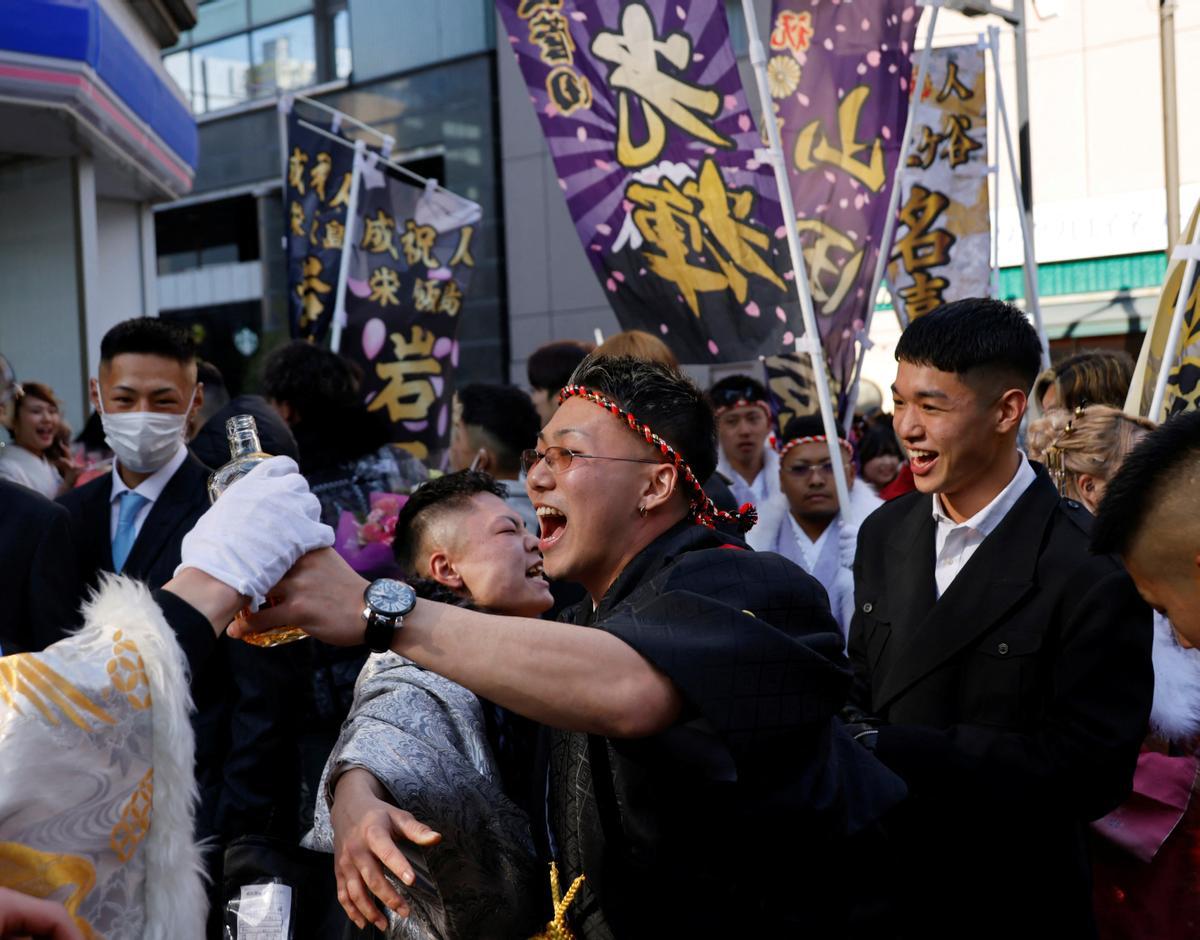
{"x": 153, "y": 485}
{"x": 990, "y": 515}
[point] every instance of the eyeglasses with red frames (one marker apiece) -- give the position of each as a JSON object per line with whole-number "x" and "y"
{"x": 559, "y": 459}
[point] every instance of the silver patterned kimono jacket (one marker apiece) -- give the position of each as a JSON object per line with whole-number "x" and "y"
{"x": 423, "y": 737}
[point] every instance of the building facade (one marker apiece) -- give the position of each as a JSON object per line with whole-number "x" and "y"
{"x": 93, "y": 133}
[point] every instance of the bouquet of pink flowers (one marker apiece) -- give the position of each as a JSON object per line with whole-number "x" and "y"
{"x": 367, "y": 544}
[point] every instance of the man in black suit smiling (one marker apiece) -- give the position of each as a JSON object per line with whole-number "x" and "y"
{"x": 1001, "y": 669}
{"x": 133, "y": 521}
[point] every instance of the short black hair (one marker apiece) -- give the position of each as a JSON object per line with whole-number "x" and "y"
{"x": 506, "y": 417}
{"x": 661, "y": 397}
{"x": 149, "y": 336}
{"x": 549, "y": 367}
{"x": 427, "y": 502}
{"x": 309, "y": 377}
{"x": 1156, "y": 464}
{"x": 977, "y": 337}
{"x": 806, "y": 426}
{"x": 733, "y": 388}
{"x": 879, "y": 440}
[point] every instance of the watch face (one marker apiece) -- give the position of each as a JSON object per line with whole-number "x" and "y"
{"x": 391, "y": 597}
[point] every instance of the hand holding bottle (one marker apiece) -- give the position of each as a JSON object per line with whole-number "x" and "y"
{"x": 259, "y": 528}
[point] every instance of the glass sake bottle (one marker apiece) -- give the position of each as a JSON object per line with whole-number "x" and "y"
{"x": 246, "y": 453}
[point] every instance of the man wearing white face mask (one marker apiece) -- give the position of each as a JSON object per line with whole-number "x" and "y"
{"x": 133, "y": 521}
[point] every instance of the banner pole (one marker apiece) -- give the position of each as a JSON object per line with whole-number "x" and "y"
{"x": 1031, "y": 272}
{"x": 993, "y": 178}
{"x": 1192, "y": 253}
{"x": 889, "y": 223}
{"x": 811, "y": 341}
{"x": 339, "y": 302}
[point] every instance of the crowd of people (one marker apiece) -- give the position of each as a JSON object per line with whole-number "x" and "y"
{"x": 624, "y": 667}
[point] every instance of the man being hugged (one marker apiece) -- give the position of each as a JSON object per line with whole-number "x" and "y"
{"x": 695, "y": 695}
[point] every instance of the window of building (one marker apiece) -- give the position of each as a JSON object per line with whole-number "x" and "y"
{"x": 222, "y": 231}
{"x": 243, "y": 50}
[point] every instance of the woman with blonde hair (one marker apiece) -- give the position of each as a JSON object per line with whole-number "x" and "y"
{"x": 1143, "y": 874}
{"x": 1083, "y": 449}
{"x": 639, "y": 345}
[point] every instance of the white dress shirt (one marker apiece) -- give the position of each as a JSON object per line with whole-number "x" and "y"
{"x": 151, "y": 488}
{"x": 956, "y": 542}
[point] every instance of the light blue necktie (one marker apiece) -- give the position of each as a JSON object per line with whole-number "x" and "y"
{"x": 131, "y": 502}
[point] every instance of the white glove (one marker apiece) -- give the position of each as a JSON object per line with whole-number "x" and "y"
{"x": 257, "y": 530}
{"x": 847, "y": 544}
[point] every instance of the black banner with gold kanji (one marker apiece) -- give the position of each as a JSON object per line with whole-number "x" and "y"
{"x": 410, "y": 265}
{"x": 316, "y": 197}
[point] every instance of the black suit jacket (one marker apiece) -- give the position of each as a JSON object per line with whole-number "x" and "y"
{"x": 39, "y": 586}
{"x": 155, "y": 554}
{"x": 1015, "y": 706}
{"x": 247, "y": 764}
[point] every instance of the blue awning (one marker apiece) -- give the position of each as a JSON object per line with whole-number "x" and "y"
{"x": 71, "y": 54}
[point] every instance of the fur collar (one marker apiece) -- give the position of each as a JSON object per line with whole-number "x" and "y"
{"x": 1175, "y": 713}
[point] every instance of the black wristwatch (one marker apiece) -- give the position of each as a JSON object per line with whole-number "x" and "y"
{"x": 387, "y": 603}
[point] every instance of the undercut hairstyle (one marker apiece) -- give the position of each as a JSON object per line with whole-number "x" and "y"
{"x": 549, "y": 367}
{"x": 661, "y": 397}
{"x": 504, "y": 419}
{"x": 1165, "y": 464}
{"x": 733, "y": 387}
{"x": 1093, "y": 377}
{"x": 149, "y": 336}
{"x": 431, "y": 502}
{"x": 983, "y": 341}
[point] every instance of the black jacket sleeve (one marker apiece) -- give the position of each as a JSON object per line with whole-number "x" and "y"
{"x": 1082, "y": 750}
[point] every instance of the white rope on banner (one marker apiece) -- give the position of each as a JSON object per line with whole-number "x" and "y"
{"x": 402, "y": 170}
{"x": 1031, "y": 272}
{"x": 811, "y": 338}
{"x": 340, "y": 116}
{"x": 889, "y": 224}
{"x": 1191, "y": 252}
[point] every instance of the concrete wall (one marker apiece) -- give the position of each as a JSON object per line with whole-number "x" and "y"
{"x": 40, "y": 332}
{"x": 120, "y": 275}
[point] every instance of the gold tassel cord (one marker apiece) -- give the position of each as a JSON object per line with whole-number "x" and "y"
{"x": 557, "y": 929}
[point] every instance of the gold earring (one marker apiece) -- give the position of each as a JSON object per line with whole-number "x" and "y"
{"x": 642, "y": 511}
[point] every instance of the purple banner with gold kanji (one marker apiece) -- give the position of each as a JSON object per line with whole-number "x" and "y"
{"x": 654, "y": 146}
{"x": 839, "y": 77}
{"x": 409, "y": 266}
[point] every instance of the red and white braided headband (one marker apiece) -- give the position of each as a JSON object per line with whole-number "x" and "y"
{"x": 703, "y": 510}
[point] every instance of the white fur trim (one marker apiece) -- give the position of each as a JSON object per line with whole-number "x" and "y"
{"x": 176, "y": 904}
{"x": 1175, "y": 713}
